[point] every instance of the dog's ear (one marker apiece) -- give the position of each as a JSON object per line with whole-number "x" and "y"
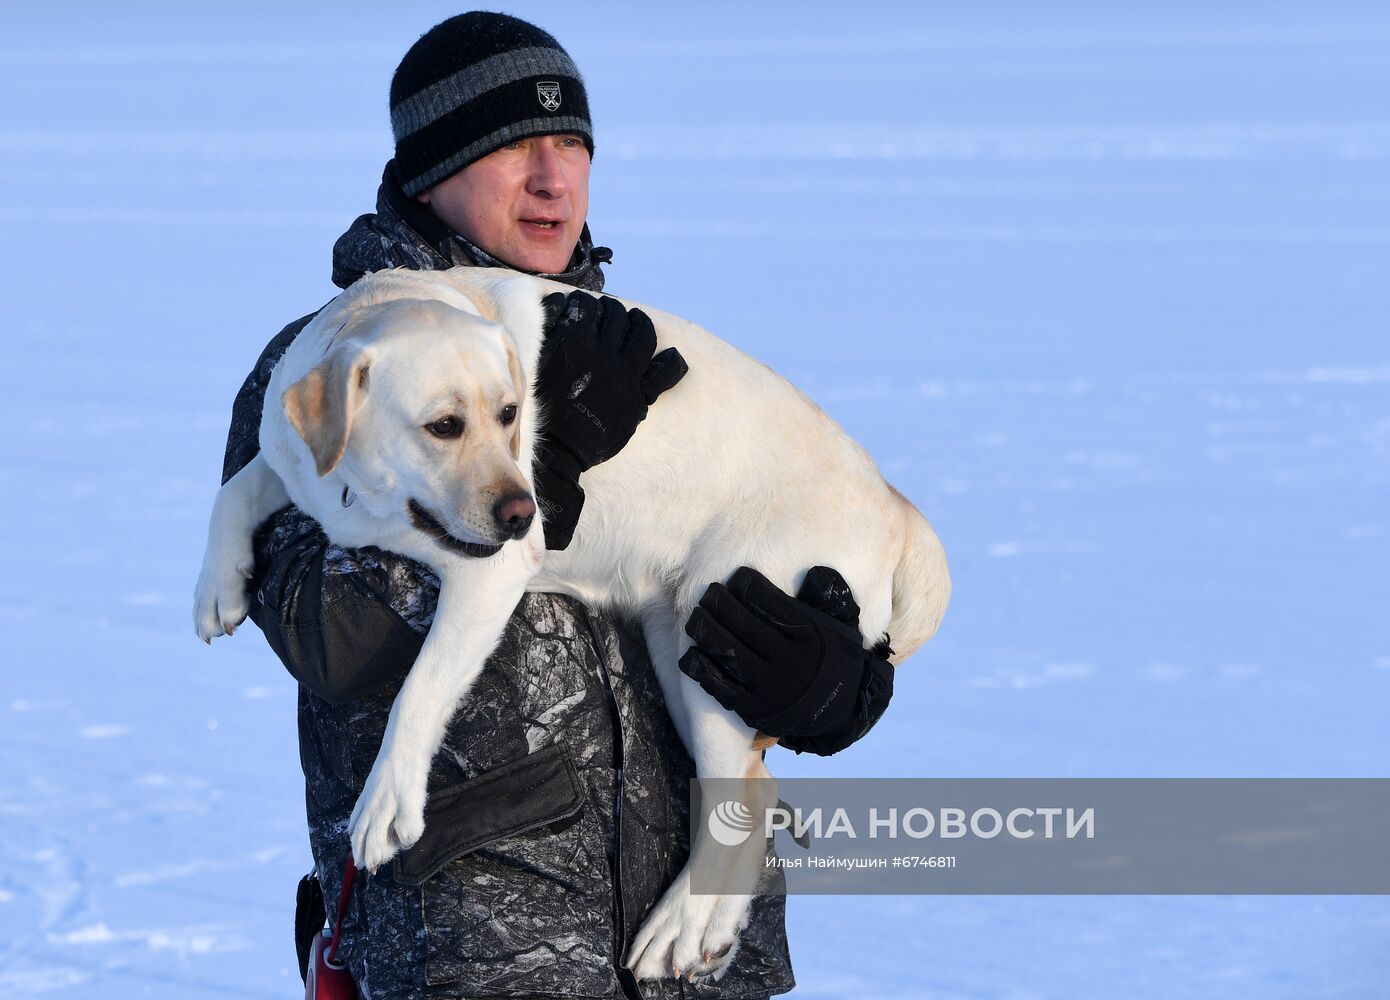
{"x": 520, "y": 384}
{"x": 321, "y": 405}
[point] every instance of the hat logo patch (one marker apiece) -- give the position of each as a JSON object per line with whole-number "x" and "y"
{"x": 549, "y": 93}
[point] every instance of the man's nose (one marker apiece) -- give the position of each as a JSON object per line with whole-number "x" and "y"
{"x": 547, "y": 175}
{"x": 514, "y": 514}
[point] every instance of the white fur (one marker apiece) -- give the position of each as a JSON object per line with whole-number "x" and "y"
{"x": 732, "y": 467}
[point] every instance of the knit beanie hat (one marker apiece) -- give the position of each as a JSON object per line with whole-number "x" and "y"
{"x": 474, "y": 83}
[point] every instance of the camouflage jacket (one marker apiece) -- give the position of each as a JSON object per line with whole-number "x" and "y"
{"x": 558, "y": 804}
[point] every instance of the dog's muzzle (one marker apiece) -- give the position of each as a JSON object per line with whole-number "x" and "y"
{"x": 430, "y": 525}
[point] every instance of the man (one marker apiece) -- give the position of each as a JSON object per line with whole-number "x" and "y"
{"x": 558, "y": 803}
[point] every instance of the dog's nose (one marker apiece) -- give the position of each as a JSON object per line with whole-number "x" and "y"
{"x": 514, "y": 514}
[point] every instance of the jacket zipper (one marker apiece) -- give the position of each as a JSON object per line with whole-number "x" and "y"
{"x": 628, "y": 984}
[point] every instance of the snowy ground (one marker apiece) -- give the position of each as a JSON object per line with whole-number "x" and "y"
{"x": 1106, "y": 296}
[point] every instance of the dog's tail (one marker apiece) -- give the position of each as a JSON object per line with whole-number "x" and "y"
{"x": 921, "y": 586}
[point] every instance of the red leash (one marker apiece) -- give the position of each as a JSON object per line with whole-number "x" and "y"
{"x": 349, "y": 873}
{"x": 326, "y": 979}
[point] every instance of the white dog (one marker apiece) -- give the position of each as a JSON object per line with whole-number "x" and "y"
{"x": 402, "y": 417}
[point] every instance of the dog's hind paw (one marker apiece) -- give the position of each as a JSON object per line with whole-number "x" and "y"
{"x": 651, "y": 954}
{"x": 688, "y": 937}
{"x": 719, "y": 942}
{"x": 388, "y": 818}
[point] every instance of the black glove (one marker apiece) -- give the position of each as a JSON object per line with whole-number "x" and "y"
{"x": 595, "y": 380}
{"x": 794, "y": 668}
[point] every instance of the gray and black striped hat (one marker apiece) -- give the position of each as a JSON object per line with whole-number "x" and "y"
{"x": 474, "y": 83}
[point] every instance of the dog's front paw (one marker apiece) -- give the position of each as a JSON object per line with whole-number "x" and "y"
{"x": 688, "y": 936}
{"x": 221, "y": 600}
{"x": 388, "y": 818}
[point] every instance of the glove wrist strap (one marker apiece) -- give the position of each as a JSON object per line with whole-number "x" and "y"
{"x": 875, "y": 690}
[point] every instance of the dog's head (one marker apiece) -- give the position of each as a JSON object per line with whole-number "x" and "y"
{"x": 418, "y": 405}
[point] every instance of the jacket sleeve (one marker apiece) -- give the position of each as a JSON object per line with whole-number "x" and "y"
{"x": 342, "y": 621}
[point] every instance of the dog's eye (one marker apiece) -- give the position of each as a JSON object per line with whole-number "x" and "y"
{"x": 446, "y": 427}
{"x": 508, "y": 414}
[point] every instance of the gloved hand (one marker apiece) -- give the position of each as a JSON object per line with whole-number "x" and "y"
{"x": 595, "y": 379}
{"x": 794, "y": 668}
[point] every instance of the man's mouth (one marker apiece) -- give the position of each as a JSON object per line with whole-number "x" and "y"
{"x": 544, "y": 223}
{"x": 430, "y": 525}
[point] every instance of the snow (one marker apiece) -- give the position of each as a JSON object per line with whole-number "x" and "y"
{"x": 1103, "y": 289}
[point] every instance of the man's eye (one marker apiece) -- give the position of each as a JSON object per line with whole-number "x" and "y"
{"x": 446, "y": 427}
{"x": 508, "y": 414}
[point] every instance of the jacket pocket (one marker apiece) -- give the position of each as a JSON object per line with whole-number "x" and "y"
{"x": 514, "y": 884}
{"x": 537, "y": 790}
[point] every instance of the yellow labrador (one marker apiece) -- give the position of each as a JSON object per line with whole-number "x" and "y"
{"x": 402, "y": 417}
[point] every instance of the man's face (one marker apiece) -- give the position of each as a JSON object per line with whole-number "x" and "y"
{"x": 524, "y": 203}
